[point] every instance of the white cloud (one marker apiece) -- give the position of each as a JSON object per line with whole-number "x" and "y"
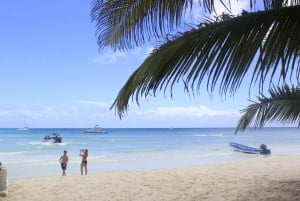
{"x": 109, "y": 57}
{"x": 49, "y": 109}
{"x": 199, "y": 112}
{"x": 74, "y": 108}
{"x": 192, "y": 116}
{"x": 95, "y": 103}
{"x": 236, "y": 7}
{"x": 81, "y": 116}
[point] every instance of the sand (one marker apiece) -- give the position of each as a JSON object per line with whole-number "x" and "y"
{"x": 262, "y": 178}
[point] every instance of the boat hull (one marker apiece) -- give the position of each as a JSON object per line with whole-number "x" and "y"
{"x": 53, "y": 138}
{"x": 247, "y": 149}
{"x": 94, "y": 132}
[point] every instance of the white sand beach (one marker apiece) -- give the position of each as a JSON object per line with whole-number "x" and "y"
{"x": 263, "y": 178}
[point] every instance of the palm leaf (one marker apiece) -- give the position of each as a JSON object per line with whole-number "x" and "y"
{"x": 283, "y": 106}
{"x": 123, "y": 24}
{"x": 221, "y": 54}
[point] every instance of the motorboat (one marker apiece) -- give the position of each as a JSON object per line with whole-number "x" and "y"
{"x": 250, "y": 150}
{"x": 96, "y": 130}
{"x": 54, "y": 138}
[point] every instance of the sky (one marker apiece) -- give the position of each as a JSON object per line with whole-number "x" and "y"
{"x": 53, "y": 76}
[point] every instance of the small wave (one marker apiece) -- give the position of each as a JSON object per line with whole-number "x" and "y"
{"x": 2, "y": 154}
{"x": 48, "y": 143}
{"x": 205, "y": 135}
{"x": 200, "y": 135}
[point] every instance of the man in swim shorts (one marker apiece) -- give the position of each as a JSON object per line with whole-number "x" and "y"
{"x": 64, "y": 162}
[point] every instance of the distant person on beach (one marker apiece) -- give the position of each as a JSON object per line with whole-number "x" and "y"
{"x": 84, "y": 155}
{"x": 1, "y": 167}
{"x": 3, "y": 181}
{"x": 64, "y": 159}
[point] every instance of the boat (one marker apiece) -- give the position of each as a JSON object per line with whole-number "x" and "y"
{"x": 96, "y": 130}
{"x": 25, "y": 128}
{"x": 53, "y": 138}
{"x": 250, "y": 150}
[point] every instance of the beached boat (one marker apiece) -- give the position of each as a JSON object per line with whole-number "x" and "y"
{"x": 54, "y": 138}
{"x": 250, "y": 150}
{"x": 96, "y": 130}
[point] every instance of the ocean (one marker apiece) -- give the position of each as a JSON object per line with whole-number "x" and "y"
{"x": 25, "y": 154}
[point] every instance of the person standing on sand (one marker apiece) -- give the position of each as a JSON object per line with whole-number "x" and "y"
{"x": 84, "y": 155}
{"x": 64, "y": 159}
{"x": 3, "y": 168}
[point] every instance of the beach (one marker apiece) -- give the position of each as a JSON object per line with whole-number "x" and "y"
{"x": 262, "y": 178}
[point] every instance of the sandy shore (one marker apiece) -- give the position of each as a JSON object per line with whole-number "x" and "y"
{"x": 263, "y": 178}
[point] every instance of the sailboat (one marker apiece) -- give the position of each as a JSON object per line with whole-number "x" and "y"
{"x": 25, "y": 128}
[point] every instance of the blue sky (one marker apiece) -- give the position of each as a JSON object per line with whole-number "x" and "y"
{"x": 53, "y": 74}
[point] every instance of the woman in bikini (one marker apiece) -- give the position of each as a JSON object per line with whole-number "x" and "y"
{"x": 84, "y": 155}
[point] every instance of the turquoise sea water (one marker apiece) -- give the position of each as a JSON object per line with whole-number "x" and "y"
{"x": 25, "y": 154}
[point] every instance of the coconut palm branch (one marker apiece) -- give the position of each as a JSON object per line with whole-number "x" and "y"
{"x": 124, "y": 24}
{"x": 282, "y": 106}
{"x": 260, "y": 44}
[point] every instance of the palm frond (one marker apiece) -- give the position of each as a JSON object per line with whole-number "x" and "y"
{"x": 276, "y": 4}
{"x": 283, "y": 106}
{"x": 123, "y": 24}
{"x": 222, "y": 53}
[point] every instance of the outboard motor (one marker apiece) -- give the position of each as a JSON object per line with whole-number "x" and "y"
{"x": 263, "y": 149}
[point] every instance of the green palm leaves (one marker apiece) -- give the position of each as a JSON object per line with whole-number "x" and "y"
{"x": 221, "y": 54}
{"x": 264, "y": 45}
{"x": 283, "y": 106}
{"x": 123, "y": 24}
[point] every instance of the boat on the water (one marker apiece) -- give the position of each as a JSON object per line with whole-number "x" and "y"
{"x": 25, "y": 128}
{"x": 96, "y": 130}
{"x": 250, "y": 150}
{"x": 54, "y": 138}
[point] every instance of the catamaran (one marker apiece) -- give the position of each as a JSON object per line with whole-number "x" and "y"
{"x": 96, "y": 130}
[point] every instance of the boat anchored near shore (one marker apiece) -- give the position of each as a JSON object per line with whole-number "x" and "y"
{"x": 53, "y": 138}
{"x": 95, "y": 130}
{"x": 25, "y": 128}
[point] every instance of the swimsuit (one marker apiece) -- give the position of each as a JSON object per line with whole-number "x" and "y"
{"x": 84, "y": 159}
{"x": 63, "y": 166}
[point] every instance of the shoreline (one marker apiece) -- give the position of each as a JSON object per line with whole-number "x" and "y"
{"x": 143, "y": 164}
{"x": 263, "y": 178}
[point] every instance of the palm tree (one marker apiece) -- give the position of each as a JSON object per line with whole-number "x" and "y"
{"x": 260, "y": 44}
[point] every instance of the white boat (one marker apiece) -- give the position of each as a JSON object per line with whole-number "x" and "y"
{"x": 96, "y": 130}
{"x": 25, "y": 128}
